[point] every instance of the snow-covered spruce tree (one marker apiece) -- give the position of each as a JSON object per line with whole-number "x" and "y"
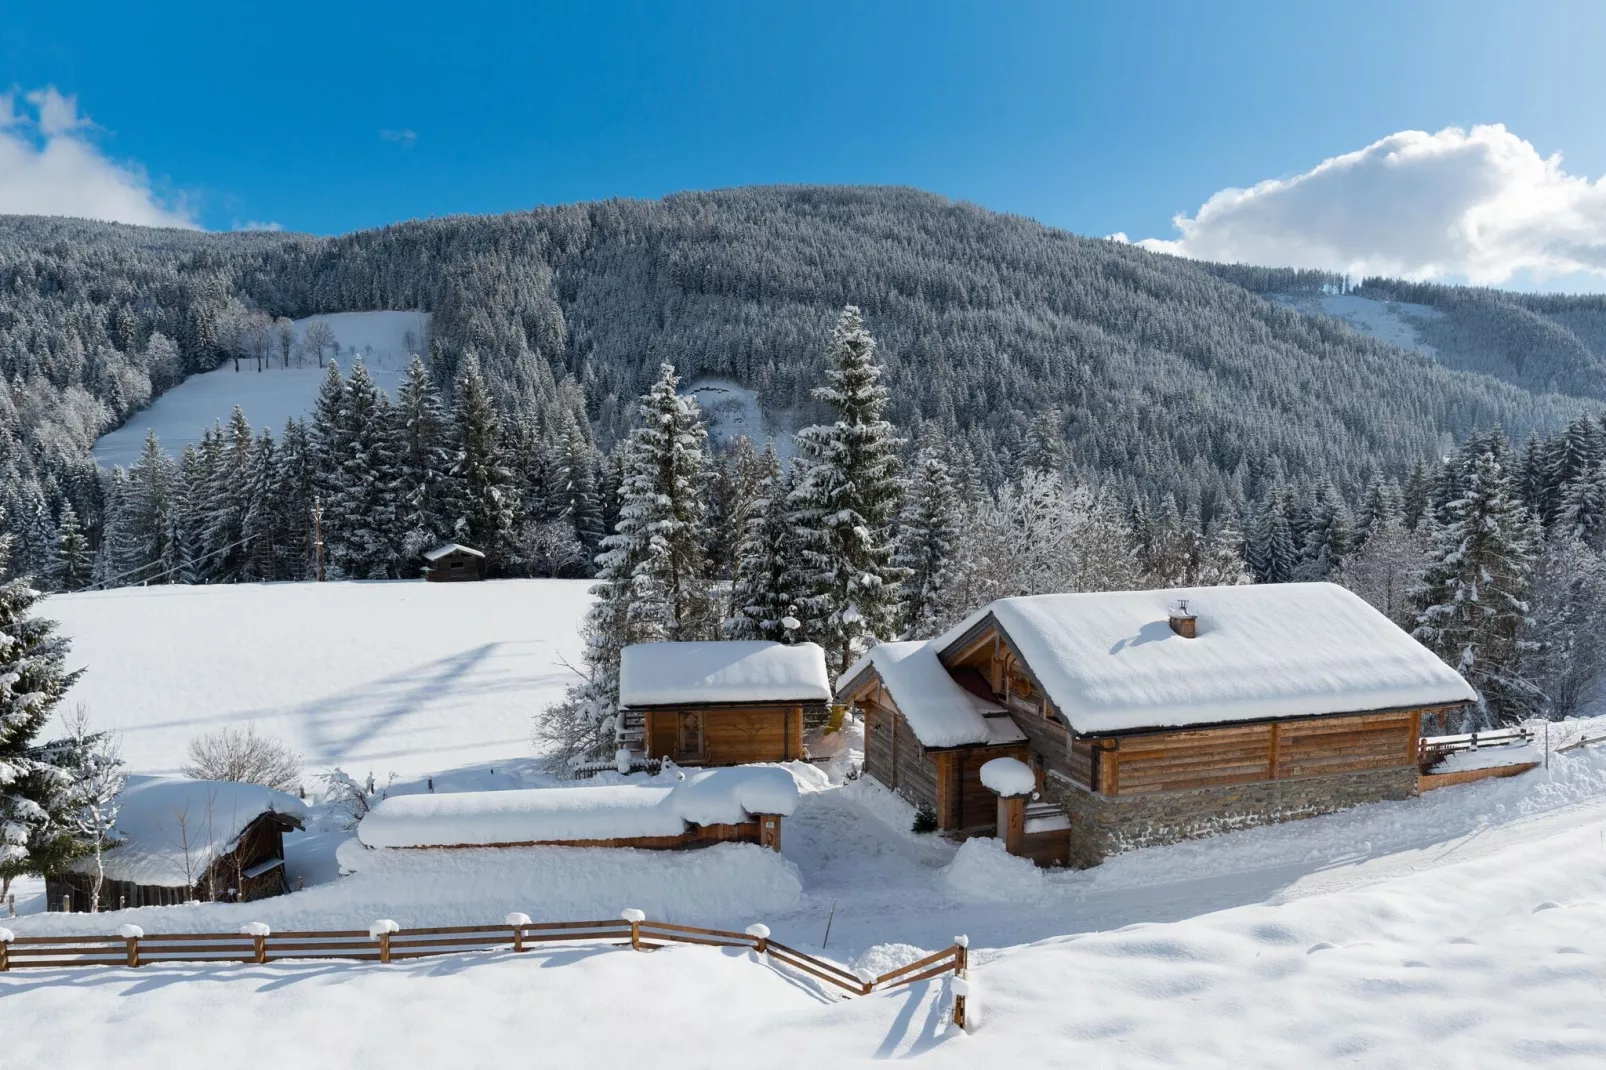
{"x": 263, "y": 527}
{"x": 35, "y": 801}
{"x": 147, "y": 503}
{"x": 423, "y": 467}
{"x": 1045, "y": 444}
{"x": 1582, "y": 514}
{"x": 580, "y": 497}
{"x": 928, "y": 532}
{"x": 846, "y": 503}
{"x": 1329, "y": 536}
{"x": 1568, "y": 626}
{"x": 486, "y": 502}
{"x": 228, "y": 500}
{"x": 1273, "y": 554}
{"x": 71, "y": 568}
{"x": 1472, "y": 599}
{"x": 763, "y": 602}
{"x": 360, "y": 510}
{"x": 652, "y": 575}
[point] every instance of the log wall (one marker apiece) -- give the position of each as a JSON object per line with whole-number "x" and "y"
{"x": 731, "y": 735}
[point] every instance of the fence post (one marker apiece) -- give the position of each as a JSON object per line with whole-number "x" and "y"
{"x": 635, "y": 918}
{"x": 259, "y": 933}
{"x": 761, "y": 940}
{"x": 517, "y": 922}
{"x": 961, "y": 985}
{"x": 6, "y": 936}
{"x": 381, "y": 930}
{"x": 131, "y": 934}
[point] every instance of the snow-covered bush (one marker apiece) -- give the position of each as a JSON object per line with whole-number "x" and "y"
{"x": 350, "y": 798}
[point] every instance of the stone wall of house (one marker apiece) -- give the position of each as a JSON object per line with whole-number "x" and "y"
{"x": 1103, "y": 825}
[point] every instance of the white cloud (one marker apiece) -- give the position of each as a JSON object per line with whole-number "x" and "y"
{"x": 1480, "y": 205}
{"x": 252, "y": 224}
{"x": 405, "y": 138}
{"x": 48, "y": 166}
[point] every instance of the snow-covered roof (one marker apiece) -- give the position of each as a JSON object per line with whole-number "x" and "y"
{"x": 451, "y": 548}
{"x": 659, "y": 806}
{"x": 173, "y": 828}
{"x": 668, "y": 674}
{"x": 939, "y": 711}
{"x": 1111, "y": 662}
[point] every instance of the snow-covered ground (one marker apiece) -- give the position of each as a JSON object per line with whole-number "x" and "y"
{"x": 731, "y": 410}
{"x": 409, "y": 678}
{"x": 1394, "y": 322}
{"x": 384, "y": 340}
{"x": 1467, "y": 928}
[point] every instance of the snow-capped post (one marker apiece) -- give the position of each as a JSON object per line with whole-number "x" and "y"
{"x": 6, "y": 936}
{"x": 381, "y": 930}
{"x": 866, "y": 981}
{"x": 131, "y": 935}
{"x": 517, "y": 922}
{"x": 961, "y": 982}
{"x": 761, "y": 939}
{"x": 259, "y": 933}
{"x": 1013, "y": 781}
{"x": 635, "y": 918}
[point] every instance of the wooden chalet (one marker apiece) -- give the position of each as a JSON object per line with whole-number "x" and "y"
{"x": 452, "y": 562}
{"x": 721, "y": 703}
{"x": 1153, "y": 716}
{"x": 184, "y": 840}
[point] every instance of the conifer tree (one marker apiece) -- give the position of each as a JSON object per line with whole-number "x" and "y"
{"x": 1272, "y": 552}
{"x": 423, "y": 467}
{"x": 72, "y": 564}
{"x": 928, "y": 536}
{"x": 1045, "y": 444}
{"x": 846, "y": 502}
{"x": 1473, "y": 593}
{"x": 1415, "y": 496}
{"x": 1329, "y": 536}
{"x": 486, "y": 490}
{"x": 262, "y": 527}
{"x": 35, "y": 796}
{"x": 144, "y": 522}
{"x": 360, "y": 509}
{"x": 577, "y": 488}
{"x": 1582, "y": 514}
{"x": 763, "y": 602}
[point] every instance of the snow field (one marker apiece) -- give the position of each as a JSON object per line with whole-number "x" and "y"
{"x": 270, "y": 397}
{"x": 731, "y": 411}
{"x": 404, "y": 677}
{"x": 1394, "y": 322}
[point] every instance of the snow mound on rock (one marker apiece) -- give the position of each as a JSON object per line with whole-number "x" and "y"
{"x": 984, "y": 870}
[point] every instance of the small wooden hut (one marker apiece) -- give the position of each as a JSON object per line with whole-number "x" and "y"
{"x": 453, "y": 562}
{"x": 184, "y": 840}
{"x": 1155, "y": 716}
{"x": 721, "y": 703}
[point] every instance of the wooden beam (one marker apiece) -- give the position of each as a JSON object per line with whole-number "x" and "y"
{"x": 1272, "y": 750}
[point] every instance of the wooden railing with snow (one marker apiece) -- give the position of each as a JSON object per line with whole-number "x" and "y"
{"x": 1435, "y": 748}
{"x": 386, "y": 942}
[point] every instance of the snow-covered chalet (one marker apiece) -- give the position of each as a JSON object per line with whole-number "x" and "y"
{"x": 1149, "y": 717}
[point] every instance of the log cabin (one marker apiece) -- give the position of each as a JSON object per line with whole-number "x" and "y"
{"x": 721, "y": 703}
{"x": 1156, "y": 716}
{"x": 186, "y": 840}
{"x": 453, "y": 563}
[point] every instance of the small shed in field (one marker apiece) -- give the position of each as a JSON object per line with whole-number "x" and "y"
{"x": 452, "y": 562}
{"x": 182, "y": 840}
{"x": 668, "y": 811}
{"x": 721, "y": 703}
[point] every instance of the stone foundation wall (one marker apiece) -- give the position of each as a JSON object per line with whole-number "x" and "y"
{"x": 1103, "y": 825}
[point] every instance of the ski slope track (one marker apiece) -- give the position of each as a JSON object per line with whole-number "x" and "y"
{"x": 384, "y": 341}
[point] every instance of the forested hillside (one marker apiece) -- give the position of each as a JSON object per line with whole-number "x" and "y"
{"x": 1158, "y": 373}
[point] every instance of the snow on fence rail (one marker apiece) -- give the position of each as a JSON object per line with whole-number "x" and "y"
{"x": 1436, "y": 748}
{"x": 386, "y": 942}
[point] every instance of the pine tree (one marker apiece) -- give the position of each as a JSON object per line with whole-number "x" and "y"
{"x": 1582, "y": 512}
{"x": 262, "y": 528}
{"x": 578, "y": 491}
{"x": 928, "y": 534}
{"x": 423, "y": 467}
{"x": 1045, "y": 444}
{"x": 1473, "y": 592}
{"x": 1329, "y": 537}
{"x": 1573, "y": 454}
{"x": 763, "y": 602}
{"x": 1415, "y": 496}
{"x": 846, "y": 503}
{"x": 35, "y": 796}
{"x": 72, "y": 565}
{"x": 652, "y": 577}
{"x": 227, "y": 499}
{"x": 485, "y": 488}
{"x": 360, "y": 510}
{"x": 144, "y": 524}
{"x": 1272, "y": 552}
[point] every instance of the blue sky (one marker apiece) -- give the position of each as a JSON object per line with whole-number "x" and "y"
{"x": 1098, "y": 118}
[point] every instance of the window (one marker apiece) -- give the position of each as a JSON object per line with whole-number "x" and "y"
{"x": 691, "y": 737}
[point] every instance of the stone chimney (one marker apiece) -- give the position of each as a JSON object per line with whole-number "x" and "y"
{"x": 1184, "y": 623}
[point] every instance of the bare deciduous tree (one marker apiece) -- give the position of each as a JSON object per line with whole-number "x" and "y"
{"x": 286, "y": 332}
{"x": 318, "y": 337}
{"x": 245, "y": 757}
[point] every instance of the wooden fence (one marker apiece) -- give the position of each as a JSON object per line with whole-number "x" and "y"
{"x": 1434, "y": 749}
{"x": 385, "y": 942}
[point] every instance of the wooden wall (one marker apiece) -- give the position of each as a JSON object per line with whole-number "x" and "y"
{"x": 731, "y": 735}
{"x": 1239, "y": 754}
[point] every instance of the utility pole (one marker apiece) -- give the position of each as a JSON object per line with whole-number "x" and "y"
{"x": 317, "y": 534}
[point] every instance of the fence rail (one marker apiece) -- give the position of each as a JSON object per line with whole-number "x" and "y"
{"x": 386, "y": 942}
{"x": 1436, "y": 748}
